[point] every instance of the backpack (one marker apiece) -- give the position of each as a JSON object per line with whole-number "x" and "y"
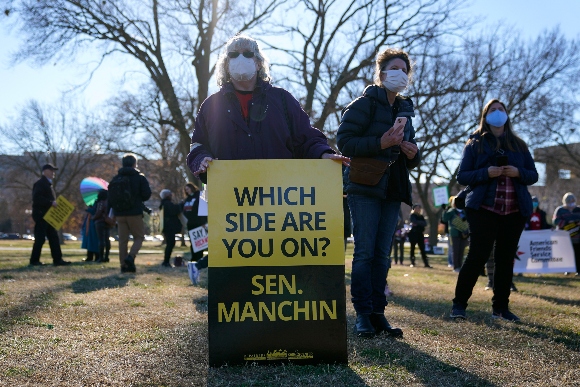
{"x": 120, "y": 195}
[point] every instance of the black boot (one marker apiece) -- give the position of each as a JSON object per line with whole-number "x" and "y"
{"x": 363, "y": 327}
{"x": 380, "y": 323}
{"x": 89, "y": 257}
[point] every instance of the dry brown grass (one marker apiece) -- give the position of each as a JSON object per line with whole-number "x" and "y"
{"x": 89, "y": 325}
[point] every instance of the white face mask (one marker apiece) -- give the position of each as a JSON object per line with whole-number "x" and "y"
{"x": 396, "y": 80}
{"x": 242, "y": 68}
{"x": 572, "y": 204}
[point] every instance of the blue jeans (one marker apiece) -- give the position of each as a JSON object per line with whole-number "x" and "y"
{"x": 374, "y": 222}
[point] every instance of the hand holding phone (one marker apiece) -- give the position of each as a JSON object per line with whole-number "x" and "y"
{"x": 400, "y": 123}
{"x": 502, "y": 160}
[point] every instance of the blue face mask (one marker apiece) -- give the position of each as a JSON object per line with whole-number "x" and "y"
{"x": 497, "y": 118}
{"x": 535, "y": 205}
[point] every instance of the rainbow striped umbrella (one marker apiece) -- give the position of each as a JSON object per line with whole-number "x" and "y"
{"x": 90, "y": 187}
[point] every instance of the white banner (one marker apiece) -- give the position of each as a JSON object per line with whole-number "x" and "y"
{"x": 545, "y": 251}
{"x": 198, "y": 238}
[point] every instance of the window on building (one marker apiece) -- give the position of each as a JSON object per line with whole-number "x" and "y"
{"x": 564, "y": 174}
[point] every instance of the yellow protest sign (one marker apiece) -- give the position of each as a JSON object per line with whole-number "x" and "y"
{"x": 56, "y": 216}
{"x": 263, "y": 213}
{"x": 276, "y": 289}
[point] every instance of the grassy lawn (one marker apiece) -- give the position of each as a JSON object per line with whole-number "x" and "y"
{"x": 89, "y": 325}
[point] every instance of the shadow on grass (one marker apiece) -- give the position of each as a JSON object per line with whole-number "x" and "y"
{"x": 87, "y": 285}
{"x": 440, "y": 310}
{"x": 285, "y": 375}
{"x": 567, "y": 337}
{"x": 556, "y": 300}
{"x": 23, "y": 312}
{"x": 545, "y": 280}
{"x": 393, "y": 358}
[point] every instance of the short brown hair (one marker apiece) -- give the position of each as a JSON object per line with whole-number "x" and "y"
{"x": 383, "y": 59}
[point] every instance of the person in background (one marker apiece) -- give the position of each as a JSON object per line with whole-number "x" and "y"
{"x": 417, "y": 234}
{"x": 567, "y": 217}
{"x": 376, "y": 130}
{"x": 89, "y": 234}
{"x": 498, "y": 167}
{"x": 101, "y": 225}
{"x": 458, "y": 233}
{"x": 127, "y": 192}
{"x": 538, "y": 219}
{"x": 43, "y": 198}
{"x": 190, "y": 208}
{"x": 171, "y": 223}
{"x": 398, "y": 244}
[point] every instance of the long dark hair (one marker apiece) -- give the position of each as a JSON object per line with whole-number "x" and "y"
{"x": 511, "y": 141}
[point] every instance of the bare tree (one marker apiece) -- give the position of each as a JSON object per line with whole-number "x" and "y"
{"x": 161, "y": 36}
{"x": 334, "y": 43}
{"x": 61, "y": 134}
{"x": 137, "y": 124}
{"x": 450, "y": 91}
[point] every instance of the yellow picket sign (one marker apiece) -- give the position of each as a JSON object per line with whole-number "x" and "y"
{"x": 56, "y": 216}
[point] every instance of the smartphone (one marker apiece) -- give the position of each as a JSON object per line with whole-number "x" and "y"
{"x": 502, "y": 161}
{"x": 400, "y": 122}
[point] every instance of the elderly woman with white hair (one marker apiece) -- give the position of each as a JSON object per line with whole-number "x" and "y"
{"x": 567, "y": 217}
{"x": 248, "y": 118}
{"x": 171, "y": 223}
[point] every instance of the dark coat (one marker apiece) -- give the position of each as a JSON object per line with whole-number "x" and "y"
{"x": 473, "y": 172}
{"x": 140, "y": 190}
{"x": 418, "y": 223}
{"x": 171, "y": 222}
{"x": 357, "y": 136}
{"x": 42, "y": 197}
{"x": 190, "y": 207}
{"x": 277, "y": 128}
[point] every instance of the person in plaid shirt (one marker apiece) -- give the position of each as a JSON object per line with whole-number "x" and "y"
{"x": 498, "y": 167}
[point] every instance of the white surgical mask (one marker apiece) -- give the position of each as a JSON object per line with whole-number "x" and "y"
{"x": 396, "y": 80}
{"x": 242, "y": 68}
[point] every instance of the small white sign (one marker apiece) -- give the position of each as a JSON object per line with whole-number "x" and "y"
{"x": 198, "y": 237}
{"x": 440, "y": 196}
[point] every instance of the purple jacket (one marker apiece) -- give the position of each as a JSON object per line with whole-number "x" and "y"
{"x": 278, "y": 128}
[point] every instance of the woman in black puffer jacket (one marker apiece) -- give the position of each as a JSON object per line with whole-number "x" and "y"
{"x": 367, "y": 133}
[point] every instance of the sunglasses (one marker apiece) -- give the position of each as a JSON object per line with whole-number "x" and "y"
{"x": 235, "y": 54}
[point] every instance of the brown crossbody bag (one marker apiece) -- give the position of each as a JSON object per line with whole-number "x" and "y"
{"x": 367, "y": 170}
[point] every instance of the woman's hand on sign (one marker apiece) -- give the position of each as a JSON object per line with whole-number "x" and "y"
{"x": 340, "y": 158}
{"x": 203, "y": 166}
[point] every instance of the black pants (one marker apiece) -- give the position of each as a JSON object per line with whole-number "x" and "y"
{"x": 169, "y": 245}
{"x": 458, "y": 248}
{"x": 44, "y": 230}
{"x": 418, "y": 239}
{"x": 486, "y": 228}
{"x": 103, "y": 237}
{"x": 397, "y": 247}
